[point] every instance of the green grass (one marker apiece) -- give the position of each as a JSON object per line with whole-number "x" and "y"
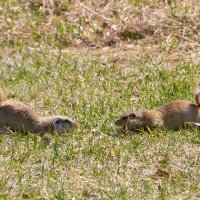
{"x": 94, "y": 87}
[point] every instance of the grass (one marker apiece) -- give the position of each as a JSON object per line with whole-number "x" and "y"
{"x": 95, "y": 86}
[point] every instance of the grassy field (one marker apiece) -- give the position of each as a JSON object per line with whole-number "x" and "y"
{"x": 93, "y": 61}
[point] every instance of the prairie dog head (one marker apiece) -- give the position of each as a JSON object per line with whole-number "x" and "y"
{"x": 63, "y": 124}
{"x": 131, "y": 121}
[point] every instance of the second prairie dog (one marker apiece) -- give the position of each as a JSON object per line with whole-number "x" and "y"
{"x": 171, "y": 115}
{"x": 17, "y": 116}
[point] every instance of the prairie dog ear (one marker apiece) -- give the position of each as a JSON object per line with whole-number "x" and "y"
{"x": 132, "y": 115}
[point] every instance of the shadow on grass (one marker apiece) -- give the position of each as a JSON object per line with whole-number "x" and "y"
{"x": 121, "y": 133}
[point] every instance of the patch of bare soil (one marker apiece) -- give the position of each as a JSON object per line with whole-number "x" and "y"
{"x": 108, "y": 23}
{"x": 126, "y": 32}
{"x": 135, "y": 31}
{"x": 171, "y": 33}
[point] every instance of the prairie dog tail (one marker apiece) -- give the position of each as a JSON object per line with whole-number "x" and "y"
{"x": 2, "y": 96}
{"x": 197, "y": 96}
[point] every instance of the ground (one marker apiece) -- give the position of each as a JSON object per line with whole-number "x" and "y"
{"x": 93, "y": 61}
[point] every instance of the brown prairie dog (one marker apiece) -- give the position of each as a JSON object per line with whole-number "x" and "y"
{"x": 17, "y": 116}
{"x": 171, "y": 115}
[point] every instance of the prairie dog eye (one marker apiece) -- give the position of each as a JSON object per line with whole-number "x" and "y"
{"x": 57, "y": 122}
{"x": 132, "y": 115}
{"x": 67, "y": 121}
{"x": 125, "y": 118}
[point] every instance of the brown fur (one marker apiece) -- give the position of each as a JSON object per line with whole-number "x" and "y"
{"x": 197, "y": 96}
{"x": 171, "y": 115}
{"x": 2, "y": 96}
{"x": 20, "y": 117}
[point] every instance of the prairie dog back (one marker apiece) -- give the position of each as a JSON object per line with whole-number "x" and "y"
{"x": 177, "y": 113}
{"x": 17, "y": 115}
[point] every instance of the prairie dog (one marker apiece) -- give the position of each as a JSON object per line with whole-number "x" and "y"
{"x": 17, "y": 116}
{"x": 171, "y": 115}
